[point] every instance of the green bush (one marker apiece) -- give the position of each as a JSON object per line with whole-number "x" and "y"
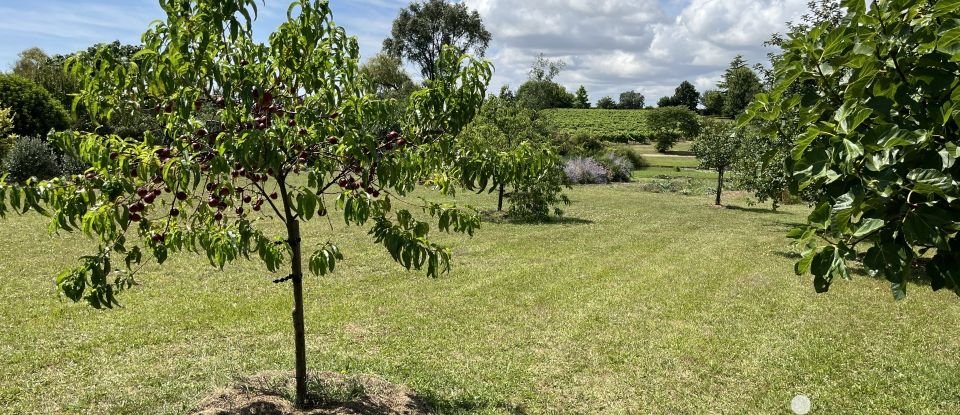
{"x": 636, "y": 159}
{"x": 669, "y": 125}
{"x": 37, "y": 112}
{"x": 31, "y": 157}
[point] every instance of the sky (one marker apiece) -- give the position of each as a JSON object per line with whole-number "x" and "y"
{"x": 609, "y": 46}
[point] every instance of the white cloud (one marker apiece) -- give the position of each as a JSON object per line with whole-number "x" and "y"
{"x": 616, "y": 45}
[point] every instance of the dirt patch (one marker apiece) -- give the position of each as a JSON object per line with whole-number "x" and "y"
{"x": 272, "y": 393}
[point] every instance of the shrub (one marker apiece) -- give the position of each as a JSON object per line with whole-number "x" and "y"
{"x": 585, "y": 170}
{"x": 619, "y": 169}
{"x": 635, "y": 158}
{"x": 37, "y": 112}
{"x": 31, "y": 157}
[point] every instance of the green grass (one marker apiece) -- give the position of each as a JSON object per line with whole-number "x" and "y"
{"x": 606, "y": 125}
{"x": 637, "y": 303}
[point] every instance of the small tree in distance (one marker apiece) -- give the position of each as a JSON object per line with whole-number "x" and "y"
{"x": 581, "y": 100}
{"x": 669, "y": 125}
{"x": 606, "y": 103}
{"x": 631, "y": 100}
{"x": 716, "y": 147}
{"x": 294, "y": 107}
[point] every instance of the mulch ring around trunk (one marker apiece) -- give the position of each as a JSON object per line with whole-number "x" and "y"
{"x": 272, "y": 393}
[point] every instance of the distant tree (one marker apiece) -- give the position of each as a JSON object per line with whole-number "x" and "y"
{"x": 664, "y": 102}
{"x": 581, "y": 100}
{"x": 540, "y": 91}
{"x": 669, "y": 125}
{"x": 740, "y": 84}
{"x": 686, "y": 95}
{"x": 717, "y": 147}
{"x": 631, "y": 100}
{"x": 37, "y": 111}
{"x": 606, "y": 103}
{"x": 712, "y": 101}
{"x": 421, "y": 31}
{"x": 387, "y": 77}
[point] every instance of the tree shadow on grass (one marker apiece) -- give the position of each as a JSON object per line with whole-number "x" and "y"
{"x": 784, "y": 226}
{"x": 502, "y": 218}
{"x": 756, "y": 210}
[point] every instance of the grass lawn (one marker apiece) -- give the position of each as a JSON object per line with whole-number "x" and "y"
{"x": 637, "y": 303}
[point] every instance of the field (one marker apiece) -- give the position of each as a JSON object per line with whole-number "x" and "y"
{"x": 606, "y": 125}
{"x": 635, "y": 303}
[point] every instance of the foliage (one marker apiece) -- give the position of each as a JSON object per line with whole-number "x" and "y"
{"x": 619, "y": 168}
{"x": 580, "y": 99}
{"x": 761, "y": 167}
{"x": 540, "y": 95}
{"x": 686, "y": 95}
{"x": 6, "y": 125}
{"x": 880, "y": 143}
{"x": 585, "y": 170}
{"x": 668, "y": 125}
{"x": 515, "y": 140}
{"x": 717, "y": 147}
{"x": 739, "y": 85}
{"x": 579, "y": 144}
{"x": 631, "y": 100}
{"x": 618, "y": 126}
{"x": 387, "y": 78}
{"x": 30, "y": 157}
{"x": 422, "y": 30}
{"x": 667, "y": 102}
{"x": 540, "y": 92}
{"x": 712, "y": 101}
{"x": 635, "y": 159}
{"x": 294, "y": 138}
{"x": 607, "y": 103}
{"x": 37, "y": 111}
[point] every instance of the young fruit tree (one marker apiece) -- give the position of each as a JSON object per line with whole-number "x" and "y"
{"x": 880, "y": 145}
{"x": 293, "y": 139}
{"x": 716, "y": 147}
{"x": 513, "y": 142}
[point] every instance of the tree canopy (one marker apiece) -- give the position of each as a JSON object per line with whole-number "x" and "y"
{"x": 421, "y": 31}
{"x": 686, "y": 95}
{"x": 631, "y": 100}
{"x": 739, "y": 85}
{"x": 880, "y": 143}
{"x": 580, "y": 99}
{"x": 37, "y": 111}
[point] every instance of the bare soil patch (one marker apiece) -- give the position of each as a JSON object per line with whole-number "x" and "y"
{"x": 272, "y": 393}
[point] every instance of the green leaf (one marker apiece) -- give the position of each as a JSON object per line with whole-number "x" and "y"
{"x": 868, "y": 226}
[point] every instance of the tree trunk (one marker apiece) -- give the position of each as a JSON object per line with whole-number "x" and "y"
{"x": 500, "y": 200}
{"x": 719, "y": 184}
{"x": 299, "y": 334}
{"x": 296, "y": 277}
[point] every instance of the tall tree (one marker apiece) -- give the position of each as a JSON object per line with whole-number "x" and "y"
{"x": 421, "y": 31}
{"x": 581, "y": 100}
{"x": 717, "y": 147}
{"x": 281, "y": 147}
{"x": 686, "y": 95}
{"x": 631, "y": 100}
{"x": 739, "y": 85}
{"x": 540, "y": 91}
{"x": 883, "y": 157}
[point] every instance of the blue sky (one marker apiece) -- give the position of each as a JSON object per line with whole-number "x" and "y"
{"x": 609, "y": 46}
